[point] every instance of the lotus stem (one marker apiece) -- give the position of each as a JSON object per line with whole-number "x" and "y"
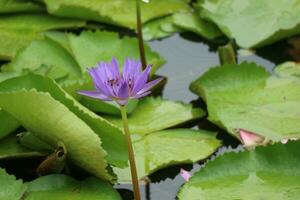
{"x": 140, "y": 35}
{"x": 134, "y": 176}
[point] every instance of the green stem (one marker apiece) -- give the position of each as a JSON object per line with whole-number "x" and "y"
{"x": 227, "y": 54}
{"x": 140, "y": 35}
{"x": 134, "y": 177}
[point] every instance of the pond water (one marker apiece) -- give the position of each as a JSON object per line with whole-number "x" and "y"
{"x": 187, "y": 58}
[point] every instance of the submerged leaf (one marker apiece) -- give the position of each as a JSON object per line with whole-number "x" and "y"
{"x": 270, "y": 172}
{"x": 170, "y": 147}
{"x": 246, "y": 97}
{"x": 154, "y": 114}
{"x": 254, "y": 23}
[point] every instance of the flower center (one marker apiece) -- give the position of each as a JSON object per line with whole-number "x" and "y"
{"x": 113, "y": 82}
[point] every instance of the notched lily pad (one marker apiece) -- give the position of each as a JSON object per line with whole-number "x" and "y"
{"x": 154, "y": 114}
{"x": 170, "y": 147}
{"x": 65, "y": 120}
{"x": 117, "y": 12}
{"x": 246, "y": 97}
{"x": 61, "y": 187}
{"x": 254, "y": 23}
{"x": 11, "y": 188}
{"x": 270, "y": 172}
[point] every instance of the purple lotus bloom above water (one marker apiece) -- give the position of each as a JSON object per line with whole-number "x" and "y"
{"x": 112, "y": 85}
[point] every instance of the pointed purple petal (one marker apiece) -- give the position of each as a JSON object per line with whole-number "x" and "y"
{"x": 150, "y": 85}
{"x": 97, "y": 80}
{"x": 141, "y": 95}
{"x": 115, "y": 69}
{"x": 123, "y": 91}
{"x": 95, "y": 94}
{"x": 141, "y": 80}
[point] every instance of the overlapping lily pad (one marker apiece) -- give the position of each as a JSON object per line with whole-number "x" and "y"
{"x": 118, "y": 12}
{"x": 17, "y": 31}
{"x": 154, "y": 114}
{"x": 189, "y": 21}
{"x": 170, "y": 147}
{"x": 90, "y": 140}
{"x": 246, "y": 97}
{"x": 254, "y": 23}
{"x": 270, "y": 172}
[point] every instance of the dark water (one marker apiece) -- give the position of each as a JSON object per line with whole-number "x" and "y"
{"x": 186, "y": 61}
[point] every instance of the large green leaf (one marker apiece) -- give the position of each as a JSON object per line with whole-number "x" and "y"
{"x": 154, "y": 114}
{"x": 10, "y": 148}
{"x": 118, "y": 12}
{"x": 270, "y": 172}
{"x": 254, "y": 23}
{"x": 17, "y": 31}
{"x": 79, "y": 129}
{"x": 246, "y": 97}
{"x": 11, "y": 188}
{"x": 170, "y": 147}
{"x": 45, "y": 52}
{"x": 13, "y": 6}
{"x": 61, "y": 187}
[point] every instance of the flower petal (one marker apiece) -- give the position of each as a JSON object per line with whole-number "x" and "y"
{"x": 115, "y": 69}
{"x": 141, "y": 80}
{"x": 123, "y": 91}
{"x": 250, "y": 139}
{"x": 98, "y": 82}
{"x": 185, "y": 174}
{"x": 95, "y": 94}
{"x": 150, "y": 85}
{"x": 141, "y": 95}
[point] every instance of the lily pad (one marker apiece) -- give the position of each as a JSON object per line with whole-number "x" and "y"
{"x": 270, "y": 172}
{"x": 17, "y": 31}
{"x": 11, "y": 188}
{"x": 246, "y": 97}
{"x": 8, "y": 124}
{"x": 154, "y": 114}
{"x": 10, "y": 148}
{"x": 61, "y": 187}
{"x": 91, "y": 47}
{"x": 189, "y": 21}
{"x": 254, "y": 23}
{"x": 118, "y": 12}
{"x": 15, "y": 6}
{"x": 288, "y": 69}
{"x": 159, "y": 28}
{"x": 170, "y": 147}
{"x": 26, "y": 98}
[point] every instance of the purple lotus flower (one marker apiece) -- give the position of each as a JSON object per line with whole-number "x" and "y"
{"x": 112, "y": 85}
